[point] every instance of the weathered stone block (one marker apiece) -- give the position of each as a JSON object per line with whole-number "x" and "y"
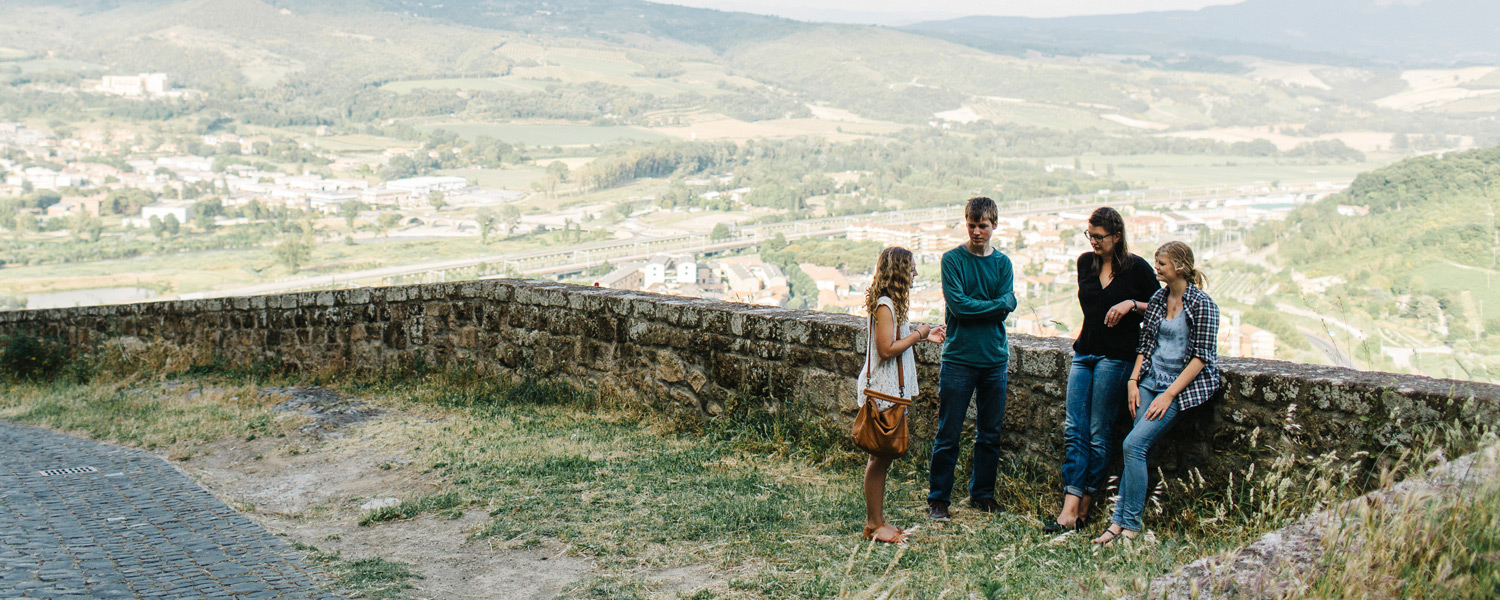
{"x": 669, "y": 368}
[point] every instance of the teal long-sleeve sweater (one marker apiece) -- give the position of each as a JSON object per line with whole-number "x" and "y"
{"x": 980, "y": 293}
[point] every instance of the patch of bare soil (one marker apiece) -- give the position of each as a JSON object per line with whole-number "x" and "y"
{"x": 314, "y": 486}
{"x": 453, "y": 565}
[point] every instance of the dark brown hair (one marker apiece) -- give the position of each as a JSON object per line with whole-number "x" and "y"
{"x": 980, "y": 207}
{"x": 1110, "y": 220}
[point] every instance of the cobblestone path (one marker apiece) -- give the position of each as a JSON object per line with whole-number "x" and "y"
{"x": 122, "y": 523}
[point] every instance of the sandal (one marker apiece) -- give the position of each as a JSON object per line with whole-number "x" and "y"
{"x": 1056, "y": 527}
{"x": 1113, "y": 537}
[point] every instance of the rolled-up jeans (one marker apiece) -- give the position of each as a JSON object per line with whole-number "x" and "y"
{"x": 1136, "y": 478}
{"x": 1096, "y": 391}
{"x": 956, "y": 385}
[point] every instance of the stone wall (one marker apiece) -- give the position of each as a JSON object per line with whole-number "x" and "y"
{"x": 698, "y": 353}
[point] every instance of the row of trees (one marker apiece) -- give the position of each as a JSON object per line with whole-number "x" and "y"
{"x": 920, "y": 166}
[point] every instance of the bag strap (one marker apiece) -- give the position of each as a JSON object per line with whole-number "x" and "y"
{"x": 900, "y": 362}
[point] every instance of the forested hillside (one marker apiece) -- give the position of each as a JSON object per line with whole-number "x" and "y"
{"x": 1428, "y": 208}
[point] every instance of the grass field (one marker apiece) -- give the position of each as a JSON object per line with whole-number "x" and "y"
{"x": 1051, "y": 116}
{"x": 1488, "y": 103}
{"x": 765, "y": 504}
{"x": 1485, "y": 286}
{"x": 534, "y": 79}
{"x": 547, "y": 135}
{"x": 359, "y": 143}
{"x": 513, "y": 178}
{"x": 186, "y": 273}
{"x": 56, "y": 64}
{"x": 475, "y": 84}
{"x": 1190, "y": 170}
{"x": 725, "y": 128}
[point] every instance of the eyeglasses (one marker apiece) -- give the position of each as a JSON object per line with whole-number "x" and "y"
{"x": 1096, "y": 238}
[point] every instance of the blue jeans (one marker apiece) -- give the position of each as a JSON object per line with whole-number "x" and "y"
{"x": 1096, "y": 391}
{"x": 956, "y": 385}
{"x": 1137, "y": 447}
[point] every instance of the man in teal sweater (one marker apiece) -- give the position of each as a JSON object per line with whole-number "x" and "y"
{"x": 979, "y": 290}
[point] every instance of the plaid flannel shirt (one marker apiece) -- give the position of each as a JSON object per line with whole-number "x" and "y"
{"x": 1203, "y": 342}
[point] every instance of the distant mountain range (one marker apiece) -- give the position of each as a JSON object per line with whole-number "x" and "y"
{"x": 1406, "y": 33}
{"x": 1403, "y": 33}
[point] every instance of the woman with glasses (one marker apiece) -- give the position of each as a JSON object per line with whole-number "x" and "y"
{"x": 1113, "y": 289}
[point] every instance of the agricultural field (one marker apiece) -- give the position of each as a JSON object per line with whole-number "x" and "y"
{"x": 1170, "y": 170}
{"x": 358, "y": 143}
{"x": 510, "y": 178}
{"x": 554, "y": 134}
{"x": 1482, "y": 284}
{"x": 205, "y": 271}
{"x": 1050, "y": 116}
{"x": 725, "y": 128}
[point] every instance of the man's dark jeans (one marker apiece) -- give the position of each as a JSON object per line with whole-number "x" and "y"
{"x": 956, "y": 385}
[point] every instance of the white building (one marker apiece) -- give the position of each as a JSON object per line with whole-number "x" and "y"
{"x": 186, "y": 163}
{"x": 655, "y": 271}
{"x": 42, "y": 178}
{"x": 423, "y": 186}
{"x": 182, "y": 209}
{"x": 675, "y": 269}
{"x": 329, "y": 202}
{"x": 144, "y": 84}
{"x": 384, "y": 196}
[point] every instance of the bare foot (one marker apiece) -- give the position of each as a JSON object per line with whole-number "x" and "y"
{"x": 888, "y": 534}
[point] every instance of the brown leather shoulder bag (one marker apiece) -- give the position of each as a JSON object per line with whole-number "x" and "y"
{"x": 882, "y": 433}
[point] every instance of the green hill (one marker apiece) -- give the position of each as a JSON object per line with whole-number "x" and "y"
{"x": 1421, "y": 210}
{"x": 315, "y": 62}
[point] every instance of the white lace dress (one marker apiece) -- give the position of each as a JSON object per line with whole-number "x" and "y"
{"x": 883, "y": 376}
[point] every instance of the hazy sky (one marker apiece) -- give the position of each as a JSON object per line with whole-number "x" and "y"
{"x": 882, "y": 10}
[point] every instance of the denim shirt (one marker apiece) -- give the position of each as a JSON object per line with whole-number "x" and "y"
{"x": 1171, "y": 355}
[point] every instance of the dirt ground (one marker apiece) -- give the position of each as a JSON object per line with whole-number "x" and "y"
{"x": 343, "y": 457}
{"x": 314, "y": 486}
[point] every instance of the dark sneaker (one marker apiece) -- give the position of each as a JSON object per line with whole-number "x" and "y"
{"x": 988, "y": 505}
{"x": 938, "y": 510}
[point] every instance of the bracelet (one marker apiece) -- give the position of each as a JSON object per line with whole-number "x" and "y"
{"x": 1133, "y": 379}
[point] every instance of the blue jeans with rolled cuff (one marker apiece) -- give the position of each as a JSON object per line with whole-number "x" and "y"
{"x": 957, "y": 384}
{"x": 1096, "y": 392}
{"x": 1136, "y": 478}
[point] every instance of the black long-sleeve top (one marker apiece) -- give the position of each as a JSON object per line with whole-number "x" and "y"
{"x": 1137, "y": 281}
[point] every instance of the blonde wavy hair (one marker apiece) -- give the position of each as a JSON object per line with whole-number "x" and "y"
{"x": 1181, "y": 257}
{"x": 892, "y": 279}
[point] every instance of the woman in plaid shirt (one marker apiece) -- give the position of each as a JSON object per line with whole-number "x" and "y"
{"x": 1176, "y": 368}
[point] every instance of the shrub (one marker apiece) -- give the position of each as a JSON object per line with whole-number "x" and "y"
{"x": 28, "y": 357}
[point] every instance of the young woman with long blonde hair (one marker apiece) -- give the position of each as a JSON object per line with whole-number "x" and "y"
{"x": 1176, "y": 369}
